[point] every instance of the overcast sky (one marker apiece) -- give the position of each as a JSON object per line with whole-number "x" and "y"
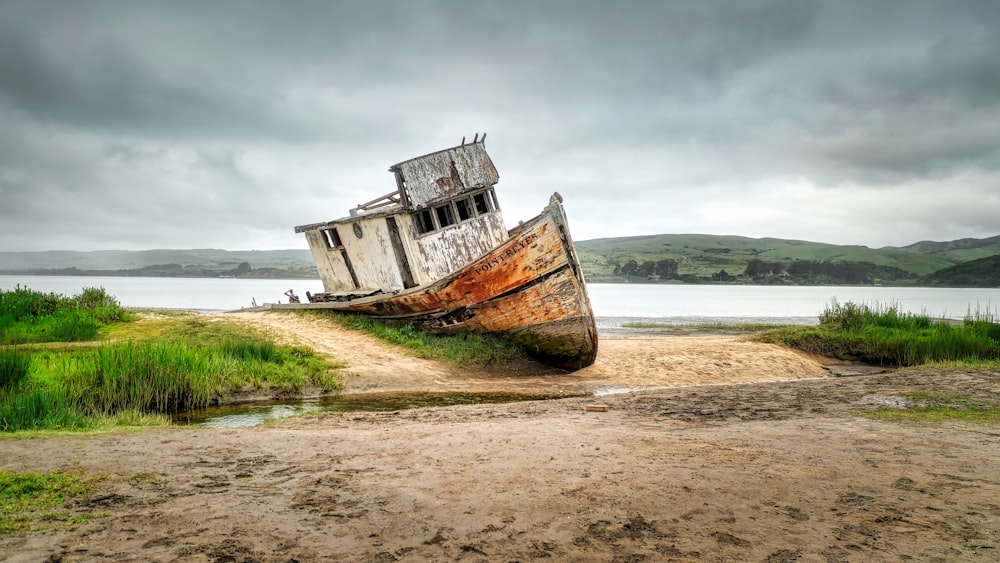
{"x": 139, "y": 125}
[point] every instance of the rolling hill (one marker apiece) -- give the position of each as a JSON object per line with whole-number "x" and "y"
{"x": 209, "y": 262}
{"x": 984, "y": 272}
{"x": 705, "y": 256}
{"x": 691, "y": 258}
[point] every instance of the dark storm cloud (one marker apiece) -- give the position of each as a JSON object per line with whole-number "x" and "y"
{"x": 105, "y": 85}
{"x": 226, "y": 123}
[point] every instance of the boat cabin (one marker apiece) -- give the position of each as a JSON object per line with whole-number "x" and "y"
{"x": 442, "y": 216}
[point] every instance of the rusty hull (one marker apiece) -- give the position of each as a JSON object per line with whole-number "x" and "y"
{"x": 528, "y": 289}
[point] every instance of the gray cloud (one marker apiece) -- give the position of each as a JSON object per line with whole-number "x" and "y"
{"x": 224, "y": 124}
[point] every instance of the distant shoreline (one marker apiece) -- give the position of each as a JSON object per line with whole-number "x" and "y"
{"x": 256, "y": 274}
{"x": 276, "y": 274}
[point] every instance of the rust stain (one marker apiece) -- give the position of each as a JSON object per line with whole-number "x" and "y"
{"x": 451, "y": 185}
{"x": 437, "y": 176}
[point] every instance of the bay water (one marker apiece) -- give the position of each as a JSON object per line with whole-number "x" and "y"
{"x": 613, "y": 304}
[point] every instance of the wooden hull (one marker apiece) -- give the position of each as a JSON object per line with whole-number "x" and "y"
{"x": 528, "y": 290}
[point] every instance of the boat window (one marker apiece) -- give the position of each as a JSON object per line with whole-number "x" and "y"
{"x": 445, "y": 215}
{"x": 425, "y": 221}
{"x": 332, "y": 238}
{"x": 454, "y": 212}
{"x": 493, "y": 197}
{"x": 465, "y": 209}
{"x": 482, "y": 207}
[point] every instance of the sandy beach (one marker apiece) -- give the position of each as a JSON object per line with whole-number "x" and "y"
{"x": 730, "y": 451}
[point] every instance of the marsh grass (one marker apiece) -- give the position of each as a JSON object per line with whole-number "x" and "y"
{"x": 32, "y": 500}
{"x": 28, "y": 316}
{"x": 460, "y": 349}
{"x": 14, "y": 365}
{"x": 148, "y": 377}
{"x": 930, "y": 406}
{"x": 38, "y": 409}
{"x": 160, "y": 366}
{"x": 250, "y": 350}
{"x": 882, "y": 335}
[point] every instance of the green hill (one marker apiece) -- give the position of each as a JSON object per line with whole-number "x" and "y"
{"x": 208, "y": 262}
{"x": 961, "y": 250}
{"x": 713, "y": 258}
{"x": 984, "y": 272}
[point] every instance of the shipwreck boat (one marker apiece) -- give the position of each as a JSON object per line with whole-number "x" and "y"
{"x": 436, "y": 252}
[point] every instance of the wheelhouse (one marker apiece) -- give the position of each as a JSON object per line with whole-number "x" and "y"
{"x": 443, "y": 215}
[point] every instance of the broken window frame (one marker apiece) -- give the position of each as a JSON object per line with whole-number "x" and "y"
{"x": 465, "y": 207}
{"x": 445, "y": 215}
{"x": 332, "y": 238}
{"x": 479, "y": 204}
{"x": 424, "y": 221}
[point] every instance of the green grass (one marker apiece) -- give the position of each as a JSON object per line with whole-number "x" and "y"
{"x": 14, "y": 364}
{"x": 82, "y": 388}
{"x": 150, "y": 369}
{"x": 882, "y": 335}
{"x": 32, "y": 500}
{"x": 28, "y": 316}
{"x": 460, "y": 349}
{"x": 930, "y": 406}
{"x": 40, "y": 409}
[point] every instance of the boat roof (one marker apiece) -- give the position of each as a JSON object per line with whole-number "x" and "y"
{"x": 396, "y": 167}
{"x": 394, "y": 203}
{"x": 383, "y": 212}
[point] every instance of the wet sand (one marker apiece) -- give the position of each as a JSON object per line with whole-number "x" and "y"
{"x": 757, "y": 460}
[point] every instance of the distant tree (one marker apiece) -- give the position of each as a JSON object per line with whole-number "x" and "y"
{"x": 631, "y": 268}
{"x": 648, "y": 268}
{"x": 757, "y": 268}
{"x": 666, "y": 269}
{"x": 723, "y": 276}
{"x": 242, "y": 270}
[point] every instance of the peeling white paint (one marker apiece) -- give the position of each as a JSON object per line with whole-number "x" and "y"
{"x": 442, "y": 175}
{"x": 440, "y": 253}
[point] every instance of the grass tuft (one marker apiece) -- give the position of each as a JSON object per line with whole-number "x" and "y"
{"x": 14, "y": 366}
{"x": 40, "y": 409}
{"x": 930, "y": 406}
{"x": 27, "y": 500}
{"x": 28, "y": 316}
{"x": 882, "y": 335}
{"x": 460, "y": 349}
{"x": 251, "y": 350}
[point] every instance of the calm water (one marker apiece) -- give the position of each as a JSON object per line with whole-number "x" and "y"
{"x": 213, "y": 294}
{"x": 613, "y": 303}
{"x": 239, "y": 416}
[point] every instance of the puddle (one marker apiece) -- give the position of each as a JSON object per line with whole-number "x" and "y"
{"x": 612, "y": 390}
{"x": 253, "y": 414}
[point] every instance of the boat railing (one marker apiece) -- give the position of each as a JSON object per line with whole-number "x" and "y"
{"x": 391, "y": 198}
